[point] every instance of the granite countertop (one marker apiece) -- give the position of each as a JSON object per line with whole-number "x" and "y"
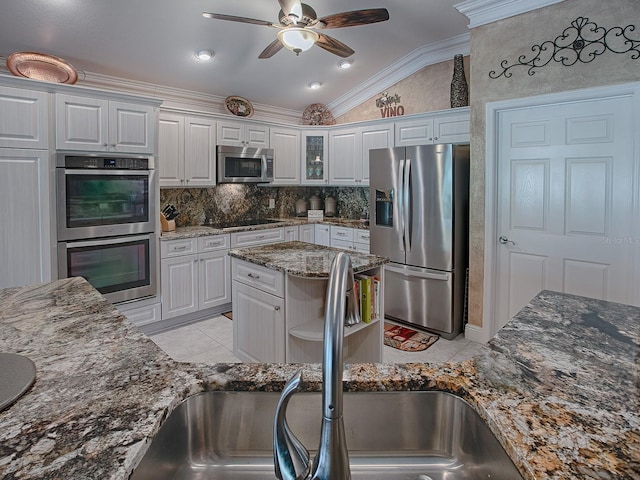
{"x": 558, "y": 386}
{"x": 303, "y": 259}
{"x": 203, "y": 230}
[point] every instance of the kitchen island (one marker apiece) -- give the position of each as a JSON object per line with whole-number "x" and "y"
{"x": 558, "y": 386}
{"x": 279, "y": 293}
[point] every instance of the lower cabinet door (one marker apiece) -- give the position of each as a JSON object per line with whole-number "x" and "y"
{"x": 258, "y": 325}
{"x": 179, "y": 285}
{"x": 215, "y": 279}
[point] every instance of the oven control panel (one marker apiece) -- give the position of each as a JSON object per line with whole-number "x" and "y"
{"x": 106, "y": 163}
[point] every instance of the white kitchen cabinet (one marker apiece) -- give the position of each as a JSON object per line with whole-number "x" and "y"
{"x": 26, "y": 240}
{"x": 259, "y": 336}
{"x": 322, "y": 235}
{"x": 100, "y": 125}
{"x": 285, "y": 143}
{"x": 349, "y": 152}
{"x": 347, "y": 238}
{"x": 345, "y": 157}
{"x": 23, "y": 119}
{"x": 195, "y": 274}
{"x": 315, "y": 158}
{"x": 186, "y": 151}
{"x": 291, "y": 234}
{"x": 257, "y": 237}
{"x": 143, "y": 315}
{"x": 243, "y": 134}
{"x": 361, "y": 240}
{"x": 445, "y": 127}
{"x": 306, "y": 233}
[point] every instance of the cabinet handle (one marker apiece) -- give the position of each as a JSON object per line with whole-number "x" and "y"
{"x": 182, "y": 247}
{"x": 342, "y": 234}
{"x": 213, "y": 244}
{"x": 105, "y": 144}
{"x": 260, "y": 237}
{"x": 276, "y": 308}
{"x": 435, "y": 138}
{"x": 251, "y": 275}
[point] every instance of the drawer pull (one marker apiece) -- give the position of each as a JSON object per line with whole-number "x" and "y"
{"x": 213, "y": 244}
{"x": 260, "y": 237}
{"x": 342, "y": 234}
{"x": 251, "y": 275}
{"x": 182, "y": 247}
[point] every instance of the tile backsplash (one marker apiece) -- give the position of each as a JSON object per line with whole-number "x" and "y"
{"x": 233, "y": 202}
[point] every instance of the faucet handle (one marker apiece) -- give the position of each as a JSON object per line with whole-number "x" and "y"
{"x": 291, "y": 458}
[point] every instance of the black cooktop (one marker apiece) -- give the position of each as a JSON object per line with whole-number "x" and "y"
{"x": 242, "y": 223}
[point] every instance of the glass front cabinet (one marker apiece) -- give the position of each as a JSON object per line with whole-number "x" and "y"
{"x": 315, "y": 160}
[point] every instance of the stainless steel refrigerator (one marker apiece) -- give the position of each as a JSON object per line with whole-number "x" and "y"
{"x": 419, "y": 198}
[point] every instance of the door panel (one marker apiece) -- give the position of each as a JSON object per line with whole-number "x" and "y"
{"x": 565, "y": 202}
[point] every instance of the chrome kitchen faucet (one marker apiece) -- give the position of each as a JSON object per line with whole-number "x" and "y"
{"x": 291, "y": 458}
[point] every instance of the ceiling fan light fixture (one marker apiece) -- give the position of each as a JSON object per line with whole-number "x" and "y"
{"x": 344, "y": 64}
{"x": 297, "y": 39}
{"x": 204, "y": 54}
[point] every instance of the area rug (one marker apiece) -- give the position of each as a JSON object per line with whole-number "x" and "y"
{"x": 229, "y": 315}
{"x": 407, "y": 339}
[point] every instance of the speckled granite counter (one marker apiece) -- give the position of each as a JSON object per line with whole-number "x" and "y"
{"x": 558, "y": 385}
{"x": 201, "y": 231}
{"x": 303, "y": 259}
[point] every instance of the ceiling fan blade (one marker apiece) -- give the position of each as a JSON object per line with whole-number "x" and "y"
{"x": 291, "y": 7}
{"x": 356, "y": 17}
{"x": 273, "y": 48}
{"x": 334, "y": 46}
{"x": 233, "y": 18}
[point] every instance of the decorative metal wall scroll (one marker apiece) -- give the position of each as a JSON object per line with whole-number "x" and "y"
{"x": 582, "y": 42}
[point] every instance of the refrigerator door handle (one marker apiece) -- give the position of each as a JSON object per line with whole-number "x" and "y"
{"x": 401, "y": 198}
{"x": 417, "y": 273}
{"x": 406, "y": 220}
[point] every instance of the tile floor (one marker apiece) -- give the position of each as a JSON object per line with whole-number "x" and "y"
{"x": 211, "y": 341}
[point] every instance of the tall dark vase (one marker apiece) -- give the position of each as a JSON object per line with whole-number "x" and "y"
{"x": 459, "y": 88}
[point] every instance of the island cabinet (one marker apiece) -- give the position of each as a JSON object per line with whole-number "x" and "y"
{"x": 279, "y": 295}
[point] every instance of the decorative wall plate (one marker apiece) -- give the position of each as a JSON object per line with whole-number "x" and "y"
{"x": 238, "y": 106}
{"x": 40, "y": 66}
{"x": 317, "y": 114}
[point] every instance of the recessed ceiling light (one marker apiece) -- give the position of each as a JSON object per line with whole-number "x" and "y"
{"x": 345, "y": 64}
{"x": 204, "y": 54}
{"x": 314, "y": 85}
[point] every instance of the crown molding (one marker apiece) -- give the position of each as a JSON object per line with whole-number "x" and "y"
{"x": 481, "y": 12}
{"x": 397, "y": 71}
{"x": 189, "y": 100}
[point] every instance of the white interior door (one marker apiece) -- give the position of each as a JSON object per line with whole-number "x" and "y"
{"x": 565, "y": 202}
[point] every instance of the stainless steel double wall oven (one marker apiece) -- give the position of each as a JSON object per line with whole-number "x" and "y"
{"x": 106, "y": 222}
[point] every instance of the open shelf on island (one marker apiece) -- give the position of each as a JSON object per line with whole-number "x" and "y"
{"x": 314, "y": 331}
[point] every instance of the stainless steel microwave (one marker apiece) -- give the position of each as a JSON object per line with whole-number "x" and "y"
{"x": 244, "y": 164}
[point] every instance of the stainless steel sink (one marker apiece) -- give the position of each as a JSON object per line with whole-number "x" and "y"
{"x": 390, "y": 435}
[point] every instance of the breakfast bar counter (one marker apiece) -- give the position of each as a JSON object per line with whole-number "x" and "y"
{"x": 558, "y": 386}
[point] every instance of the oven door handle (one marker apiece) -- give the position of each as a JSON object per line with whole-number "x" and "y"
{"x": 102, "y": 171}
{"x": 106, "y": 241}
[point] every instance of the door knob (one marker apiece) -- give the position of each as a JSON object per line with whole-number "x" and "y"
{"x": 504, "y": 240}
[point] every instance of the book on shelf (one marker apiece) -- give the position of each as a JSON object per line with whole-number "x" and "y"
{"x": 369, "y": 288}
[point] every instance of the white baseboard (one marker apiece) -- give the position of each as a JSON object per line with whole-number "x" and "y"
{"x": 476, "y": 334}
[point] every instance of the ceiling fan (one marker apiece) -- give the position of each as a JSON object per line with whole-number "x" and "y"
{"x": 298, "y": 22}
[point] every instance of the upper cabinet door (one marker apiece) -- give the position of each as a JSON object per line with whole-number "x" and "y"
{"x": 23, "y": 119}
{"x": 315, "y": 147}
{"x": 286, "y": 156}
{"x": 200, "y": 151}
{"x": 98, "y": 125}
{"x": 345, "y": 157}
{"x": 240, "y": 134}
{"x": 81, "y": 123}
{"x": 170, "y": 162}
{"x": 131, "y": 128}
{"x": 378, "y": 136}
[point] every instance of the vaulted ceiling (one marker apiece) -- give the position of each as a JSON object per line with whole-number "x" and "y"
{"x": 154, "y": 41}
